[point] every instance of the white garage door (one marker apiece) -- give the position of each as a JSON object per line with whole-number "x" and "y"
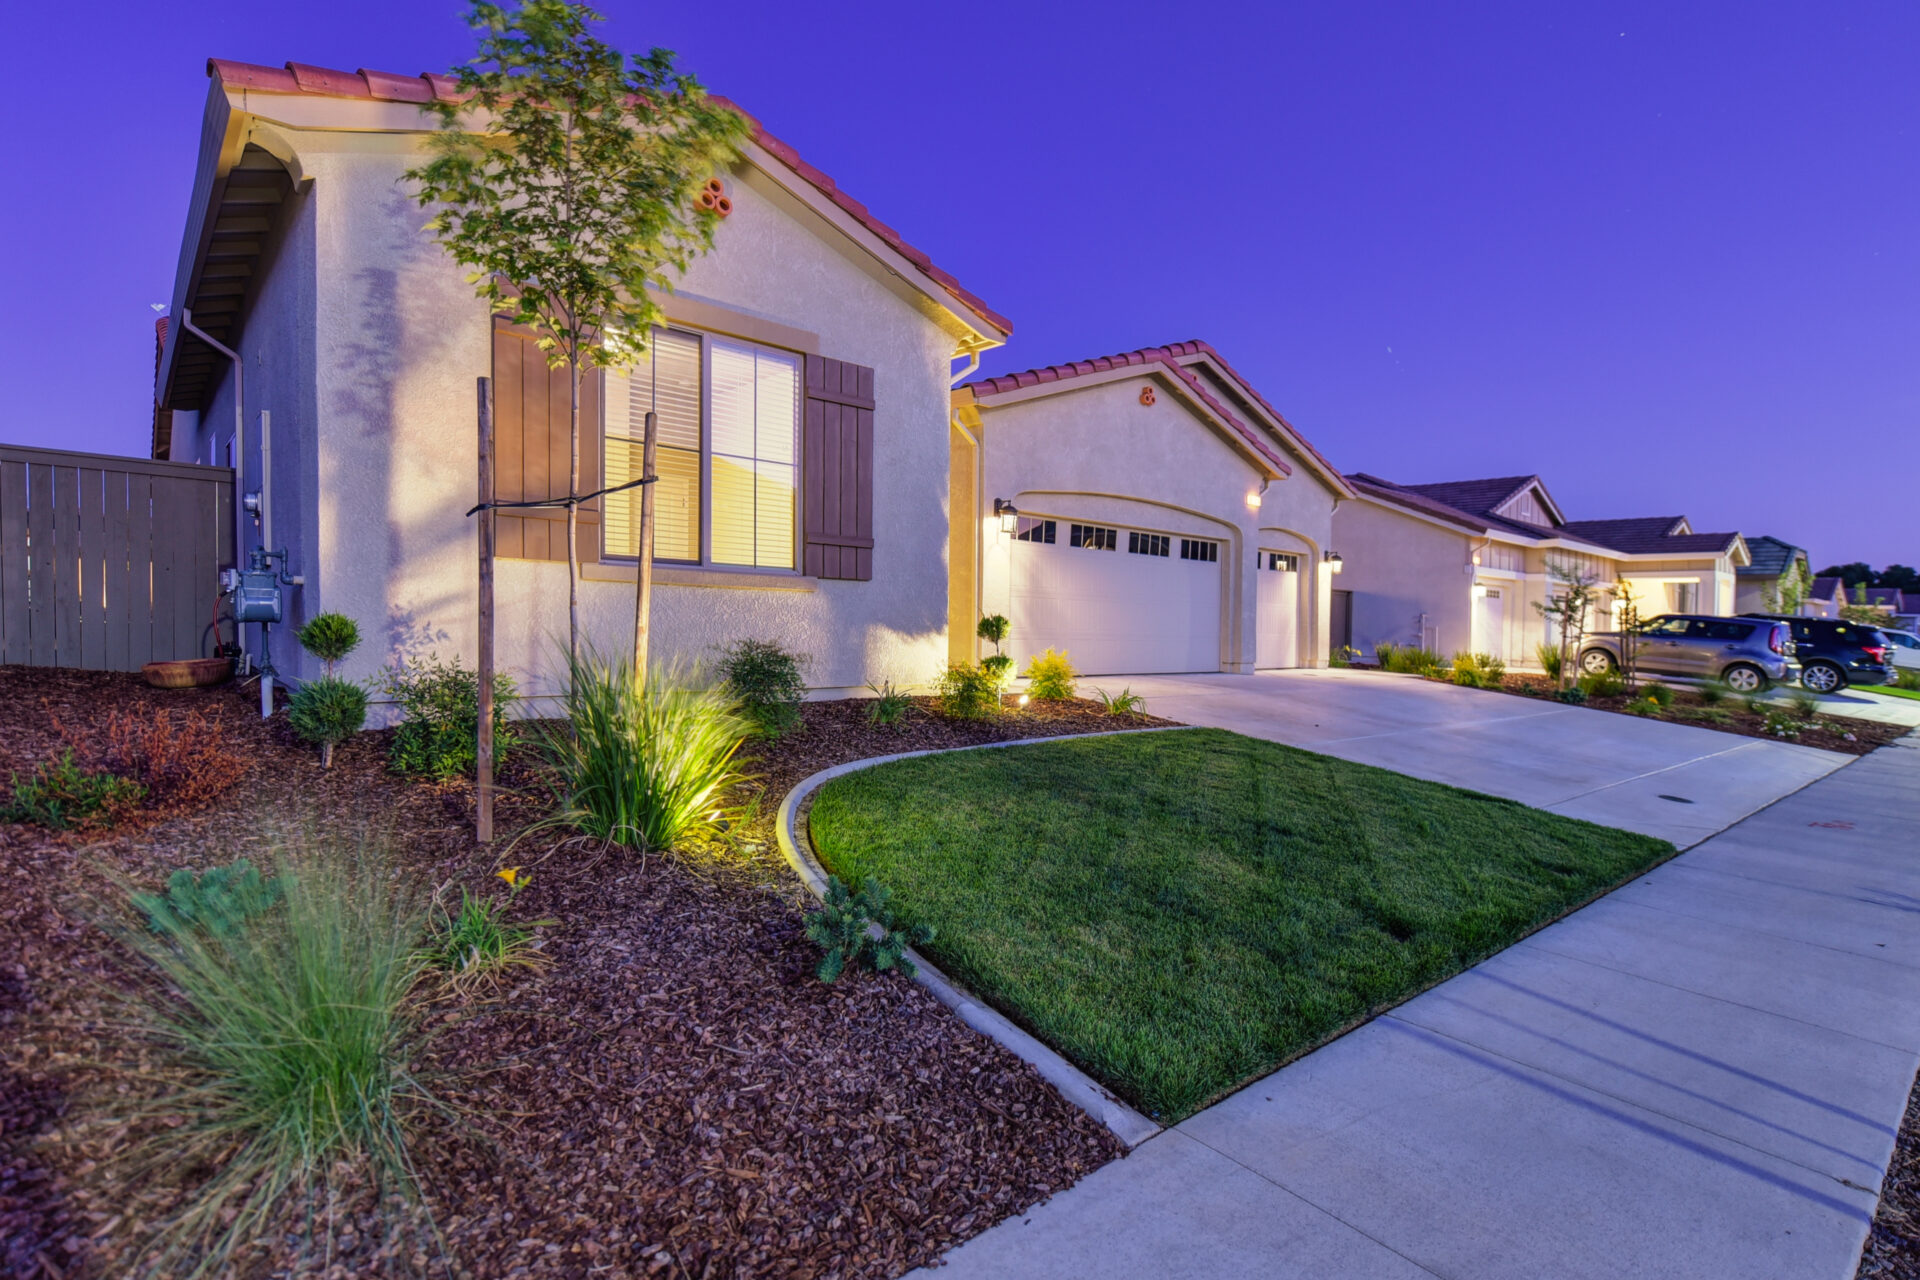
{"x": 1277, "y": 643}
{"x": 1117, "y": 600}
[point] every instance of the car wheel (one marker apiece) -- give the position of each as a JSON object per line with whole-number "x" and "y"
{"x": 1742, "y": 678}
{"x": 1597, "y": 662}
{"x": 1822, "y": 677}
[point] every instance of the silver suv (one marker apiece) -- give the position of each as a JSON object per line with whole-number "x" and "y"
{"x": 1746, "y": 654}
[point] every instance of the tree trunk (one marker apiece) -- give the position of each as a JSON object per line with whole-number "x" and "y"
{"x": 483, "y": 744}
{"x": 643, "y": 593}
{"x": 326, "y": 755}
{"x": 573, "y": 511}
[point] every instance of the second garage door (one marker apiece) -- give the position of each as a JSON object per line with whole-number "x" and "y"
{"x": 1119, "y": 601}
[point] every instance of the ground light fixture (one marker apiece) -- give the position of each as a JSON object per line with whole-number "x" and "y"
{"x": 1332, "y": 560}
{"x": 1008, "y": 514}
{"x": 1025, "y": 698}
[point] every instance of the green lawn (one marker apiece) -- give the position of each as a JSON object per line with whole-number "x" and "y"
{"x": 1181, "y": 912}
{"x": 1895, "y": 691}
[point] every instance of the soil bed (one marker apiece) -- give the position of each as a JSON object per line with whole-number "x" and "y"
{"x": 676, "y": 1095}
{"x": 1730, "y": 715}
{"x": 1893, "y": 1244}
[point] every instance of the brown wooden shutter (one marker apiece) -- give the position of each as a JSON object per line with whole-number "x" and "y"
{"x": 530, "y": 450}
{"x": 837, "y": 470}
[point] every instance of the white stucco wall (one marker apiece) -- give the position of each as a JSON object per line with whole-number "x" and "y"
{"x": 397, "y": 339}
{"x": 1400, "y": 568}
{"x": 1093, "y": 452}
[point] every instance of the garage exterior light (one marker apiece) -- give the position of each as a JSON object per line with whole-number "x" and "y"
{"x": 1332, "y": 560}
{"x": 1008, "y": 513}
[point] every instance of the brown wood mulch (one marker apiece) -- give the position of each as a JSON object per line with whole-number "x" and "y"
{"x": 1893, "y": 1244}
{"x": 1829, "y": 732}
{"x": 674, "y": 1095}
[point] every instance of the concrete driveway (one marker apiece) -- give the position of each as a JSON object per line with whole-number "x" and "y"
{"x": 1674, "y": 781}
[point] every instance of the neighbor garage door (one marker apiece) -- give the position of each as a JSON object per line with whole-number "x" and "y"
{"x": 1118, "y": 600}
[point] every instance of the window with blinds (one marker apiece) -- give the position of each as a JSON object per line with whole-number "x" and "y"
{"x": 665, "y": 381}
{"x": 756, "y": 419}
{"x": 748, "y": 456}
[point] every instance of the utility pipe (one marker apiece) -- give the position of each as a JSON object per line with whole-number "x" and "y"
{"x": 239, "y": 452}
{"x": 979, "y": 505}
{"x": 266, "y": 542}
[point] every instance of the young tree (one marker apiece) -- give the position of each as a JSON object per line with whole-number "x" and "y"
{"x": 1795, "y": 585}
{"x": 1862, "y": 612}
{"x": 568, "y": 179}
{"x": 1569, "y": 601}
{"x": 1627, "y": 620}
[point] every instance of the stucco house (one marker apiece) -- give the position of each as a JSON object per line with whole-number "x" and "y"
{"x": 802, "y": 383}
{"x": 1146, "y": 512}
{"x": 1829, "y": 594}
{"x": 1461, "y": 565}
{"x": 1758, "y": 586}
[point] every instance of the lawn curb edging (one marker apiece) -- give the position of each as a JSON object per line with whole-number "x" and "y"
{"x": 1075, "y": 1085}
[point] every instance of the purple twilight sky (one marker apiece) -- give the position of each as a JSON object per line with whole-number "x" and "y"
{"x": 1667, "y": 256}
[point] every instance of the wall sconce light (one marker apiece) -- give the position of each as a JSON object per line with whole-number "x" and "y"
{"x": 1253, "y": 500}
{"x": 1332, "y": 560}
{"x": 1009, "y": 515}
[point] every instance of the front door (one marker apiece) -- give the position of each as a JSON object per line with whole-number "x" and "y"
{"x": 1490, "y": 623}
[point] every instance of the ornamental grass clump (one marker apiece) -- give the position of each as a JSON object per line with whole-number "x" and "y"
{"x": 281, "y": 1053}
{"x": 478, "y": 944}
{"x": 889, "y": 704}
{"x": 644, "y": 766}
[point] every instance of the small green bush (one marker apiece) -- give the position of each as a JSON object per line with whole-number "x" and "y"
{"x": 1706, "y": 715}
{"x": 1783, "y": 724}
{"x": 1478, "y": 670}
{"x": 1550, "y": 658}
{"x": 1576, "y": 696}
{"x": 1658, "y": 694}
{"x": 1124, "y": 703}
{"x": 766, "y": 680}
{"x": 1803, "y": 703}
{"x": 1907, "y": 678}
{"x": 218, "y": 901}
{"x": 1050, "y": 676}
{"x": 888, "y": 705}
{"x": 62, "y": 796}
{"x": 646, "y": 766}
{"x": 992, "y": 629}
{"x": 1343, "y": 656}
{"x": 285, "y": 1050}
{"x": 1410, "y": 659}
{"x": 968, "y": 691}
{"x": 329, "y": 637}
{"x": 1603, "y": 684}
{"x": 1713, "y": 693}
{"x": 1642, "y": 707}
{"x": 441, "y": 700}
{"x": 1755, "y": 703}
{"x": 327, "y": 711}
{"x": 999, "y": 666}
{"x": 478, "y": 944}
{"x": 851, "y": 928}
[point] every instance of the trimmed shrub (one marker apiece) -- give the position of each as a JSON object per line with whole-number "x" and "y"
{"x": 644, "y": 767}
{"x": 992, "y": 629}
{"x": 329, "y": 637}
{"x": 854, "y": 928}
{"x": 999, "y": 666}
{"x": 1658, "y": 694}
{"x": 328, "y": 711}
{"x": 1713, "y": 692}
{"x": 765, "y": 679}
{"x": 440, "y": 735}
{"x": 1478, "y": 670}
{"x": 1576, "y": 696}
{"x": 1907, "y": 678}
{"x": 1050, "y": 676}
{"x": 968, "y": 691}
{"x": 1603, "y": 684}
{"x": 1410, "y": 660}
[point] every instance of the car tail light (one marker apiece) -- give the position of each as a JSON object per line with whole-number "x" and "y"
{"x": 1878, "y": 652}
{"x": 1777, "y": 641}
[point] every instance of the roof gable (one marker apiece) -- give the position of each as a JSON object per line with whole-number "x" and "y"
{"x": 1772, "y": 556}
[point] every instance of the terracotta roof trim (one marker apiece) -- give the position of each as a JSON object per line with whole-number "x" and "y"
{"x": 384, "y": 86}
{"x": 1001, "y": 384}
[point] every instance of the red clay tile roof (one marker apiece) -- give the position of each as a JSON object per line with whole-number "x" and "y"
{"x": 1164, "y": 356}
{"x": 1170, "y": 352}
{"x": 382, "y": 86}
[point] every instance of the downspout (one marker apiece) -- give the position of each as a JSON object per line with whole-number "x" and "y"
{"x": 239, "y": 452}
{"x": 979, "y": 467}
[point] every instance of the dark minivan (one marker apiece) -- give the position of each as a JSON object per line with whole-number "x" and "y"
{"x": 1833, "y": 654}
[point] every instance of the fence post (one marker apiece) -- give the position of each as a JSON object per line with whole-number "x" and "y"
{"x": 483, "y": 789}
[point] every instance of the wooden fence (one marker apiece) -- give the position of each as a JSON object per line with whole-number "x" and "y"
{"x": 107, "y": 562}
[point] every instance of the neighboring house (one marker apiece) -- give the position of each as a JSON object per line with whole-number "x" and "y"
{"x": 1776, "y": 565}
{"x": 1902, "y": 608}
{"x": 802, "y": 385}
{"x": 1168, "y": 518}
{"x": 1462, "y": 565}
{"x": 1827, "y": 597}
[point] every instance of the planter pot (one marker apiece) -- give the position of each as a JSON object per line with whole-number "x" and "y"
{"x": 188, "y": 673}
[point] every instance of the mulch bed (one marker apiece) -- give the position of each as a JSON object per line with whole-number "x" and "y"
{"x": 676, "y": 1095}
{"x": 1893, "y": 1244}
{"x": 1828, "y": 732}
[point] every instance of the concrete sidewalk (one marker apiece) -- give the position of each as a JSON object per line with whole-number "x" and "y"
{"x": 1675, "y": 781}
{"x": 1700, "y": 1075}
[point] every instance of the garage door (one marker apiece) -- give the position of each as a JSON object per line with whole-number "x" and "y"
{"x": 1277, "y": 643}
{"x": 1118, "y": 600}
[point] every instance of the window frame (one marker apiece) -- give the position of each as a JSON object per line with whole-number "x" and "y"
{"x": 705, "y": 540}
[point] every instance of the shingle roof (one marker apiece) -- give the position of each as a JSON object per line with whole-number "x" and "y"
{"x": 1771, "y": 557}
{"x": 1167, "y": 356}
{"x": 384, "y": 86}
{"x": 1827, "y": 588}
{"x": 1651, "y": 535}
{"x": 1893, "y": 598}
{"x": 1471, "y": 502}
{"x": 1375, "y": 487}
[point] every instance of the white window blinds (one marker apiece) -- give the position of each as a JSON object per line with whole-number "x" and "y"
{"x": 665, "y": 380}
{"x": 756, "y": 416}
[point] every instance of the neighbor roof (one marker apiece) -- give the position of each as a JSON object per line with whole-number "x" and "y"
{"x": 1170, "y": 356}
{"x": 1652, "y": 535}
{"x": 1468, "y": 502}
{"x": 1771, "y": 557}
{"x": 1828, "y": 588}
{"x": 384, "y": 86}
